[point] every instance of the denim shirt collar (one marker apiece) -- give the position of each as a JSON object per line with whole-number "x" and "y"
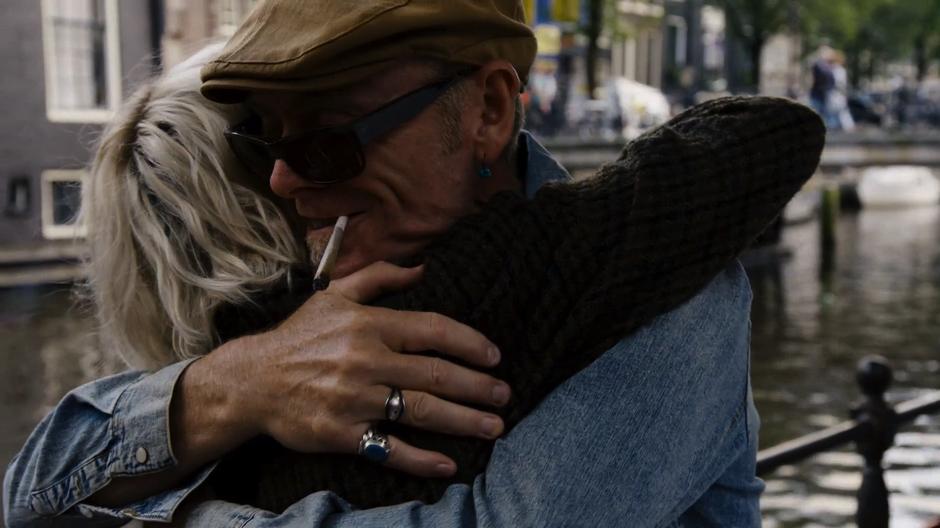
{"x": 540, "y": 166}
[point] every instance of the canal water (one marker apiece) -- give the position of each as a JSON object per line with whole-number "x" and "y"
{"x": 811, "y": 327}
{"x": 809, "y": 330}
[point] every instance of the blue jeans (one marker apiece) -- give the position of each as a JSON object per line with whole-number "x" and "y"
{"x": 660, "y": 431}
{"x": 821, "y": 106}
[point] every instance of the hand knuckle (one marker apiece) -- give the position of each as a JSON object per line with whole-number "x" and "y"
{"x": 360, "y": 369}
{"x": 364, "y": 316}
{"x": 334, "y": 437}
{"x": 332, "y": 402}
{"x": 369, "y": 323}
{"x": 353, "y": 367}
{"x": 354, "y": 321}
{"x": 420, "y": 409}
{"x": 332, "y": 301}
{"x": 320, "y": 426}
{"x": 343, "y": 394}
{"x": 436, "y": 324}
{"x": 437, "y": 372}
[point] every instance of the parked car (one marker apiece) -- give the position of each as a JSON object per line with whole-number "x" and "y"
{"x": 636, "y": 107}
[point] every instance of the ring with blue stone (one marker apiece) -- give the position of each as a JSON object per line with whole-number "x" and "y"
{"x": 374, "y": 446}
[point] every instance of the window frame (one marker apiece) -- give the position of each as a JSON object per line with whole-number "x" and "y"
{"x": 51, "y": 230}
{"x": 113, "y": 68}
{"x": 682, "y": 39}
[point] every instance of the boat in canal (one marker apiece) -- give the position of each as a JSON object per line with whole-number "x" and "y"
{"x": 898, "y": 186}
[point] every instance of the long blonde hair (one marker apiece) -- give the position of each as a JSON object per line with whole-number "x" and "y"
{"x": 171, "y": 234}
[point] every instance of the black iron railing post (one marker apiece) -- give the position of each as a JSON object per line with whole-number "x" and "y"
{"x": 875, "y": 437}
{"x": 872, "y": 428}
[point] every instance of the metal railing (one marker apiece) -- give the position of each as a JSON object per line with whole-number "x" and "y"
{"x": 872, "y": 428}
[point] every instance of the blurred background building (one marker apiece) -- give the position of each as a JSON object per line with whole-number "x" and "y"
{"x": 606, "y": 70}
{"x": 69, "y": 64}
{"x": 73, "y": 62}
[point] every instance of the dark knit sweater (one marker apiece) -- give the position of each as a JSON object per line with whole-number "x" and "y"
{"x": 556, "y": 280}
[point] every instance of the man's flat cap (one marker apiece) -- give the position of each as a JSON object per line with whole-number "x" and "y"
{"x": 324, "y": 45}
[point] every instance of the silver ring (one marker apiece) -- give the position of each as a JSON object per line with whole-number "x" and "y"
{"x": 394, "y": 405}
{"x": 374, "y": 446}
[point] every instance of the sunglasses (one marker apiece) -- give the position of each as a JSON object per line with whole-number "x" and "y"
{"x": 332, "y": 154}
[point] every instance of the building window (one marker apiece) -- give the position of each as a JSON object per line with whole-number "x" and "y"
{"x": 677, "y": 39}
{"x": 229, "y": 15}
{"x": 81, "y": 49}
{"x": 61, "y": 200}
{"x": 713, "y": 39}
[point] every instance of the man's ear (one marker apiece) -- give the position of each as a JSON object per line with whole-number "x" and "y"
{"x": 499, "y": 85}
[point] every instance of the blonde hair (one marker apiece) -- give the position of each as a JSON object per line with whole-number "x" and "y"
{"x": 171, "y": 236}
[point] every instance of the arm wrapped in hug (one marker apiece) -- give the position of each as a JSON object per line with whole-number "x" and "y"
{"x": 556, "y": 280}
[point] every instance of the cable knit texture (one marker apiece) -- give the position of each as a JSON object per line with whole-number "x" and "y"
{"x": 555, "y": 281}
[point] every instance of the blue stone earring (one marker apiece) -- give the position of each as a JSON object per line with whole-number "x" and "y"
{"x": 484, "y": 171}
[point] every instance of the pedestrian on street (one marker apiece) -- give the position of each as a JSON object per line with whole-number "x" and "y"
{"x": 838, "y": 101}
{"x": 824, "y": 82}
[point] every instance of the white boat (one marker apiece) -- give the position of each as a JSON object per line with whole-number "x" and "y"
{"x": 898, "y": 186}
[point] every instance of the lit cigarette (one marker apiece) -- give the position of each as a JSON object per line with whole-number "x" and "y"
{"x": 322, "y": 278}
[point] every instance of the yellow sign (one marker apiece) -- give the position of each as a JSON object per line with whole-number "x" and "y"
{"x": 566, "y": 10}
{"x": 549, "y": 38}
{"x": 561, "y": 10}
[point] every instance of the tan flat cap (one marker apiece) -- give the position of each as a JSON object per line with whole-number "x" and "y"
{"x": 321, "y": 45}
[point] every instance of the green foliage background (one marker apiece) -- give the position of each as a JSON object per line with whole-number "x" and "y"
{"x": 873, "y": 32}
{"x": 870, "y": 32}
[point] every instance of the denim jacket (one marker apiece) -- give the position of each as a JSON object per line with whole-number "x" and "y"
{"x": 622, "y": 431}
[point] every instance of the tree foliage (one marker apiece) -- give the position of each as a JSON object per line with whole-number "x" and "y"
{"x": 753, "y": 22}
{"x": 874, "y": 32}
{"x": 870, "y": 32}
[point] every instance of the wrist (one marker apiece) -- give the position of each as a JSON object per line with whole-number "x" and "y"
{"x": 208, "y": 413}
{"x": 233, "y": 371}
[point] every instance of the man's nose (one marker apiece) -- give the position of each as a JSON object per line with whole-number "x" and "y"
{"x": 284, "y": 181}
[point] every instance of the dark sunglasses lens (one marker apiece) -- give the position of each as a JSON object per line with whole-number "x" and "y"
{"x": 254, "y": 156}
{"x": 328, "y": 157}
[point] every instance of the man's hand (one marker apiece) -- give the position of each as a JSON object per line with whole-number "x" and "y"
{"x": 317, "y": 381}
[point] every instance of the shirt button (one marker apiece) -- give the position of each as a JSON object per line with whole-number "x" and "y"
{"x": 141, "y": 455}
